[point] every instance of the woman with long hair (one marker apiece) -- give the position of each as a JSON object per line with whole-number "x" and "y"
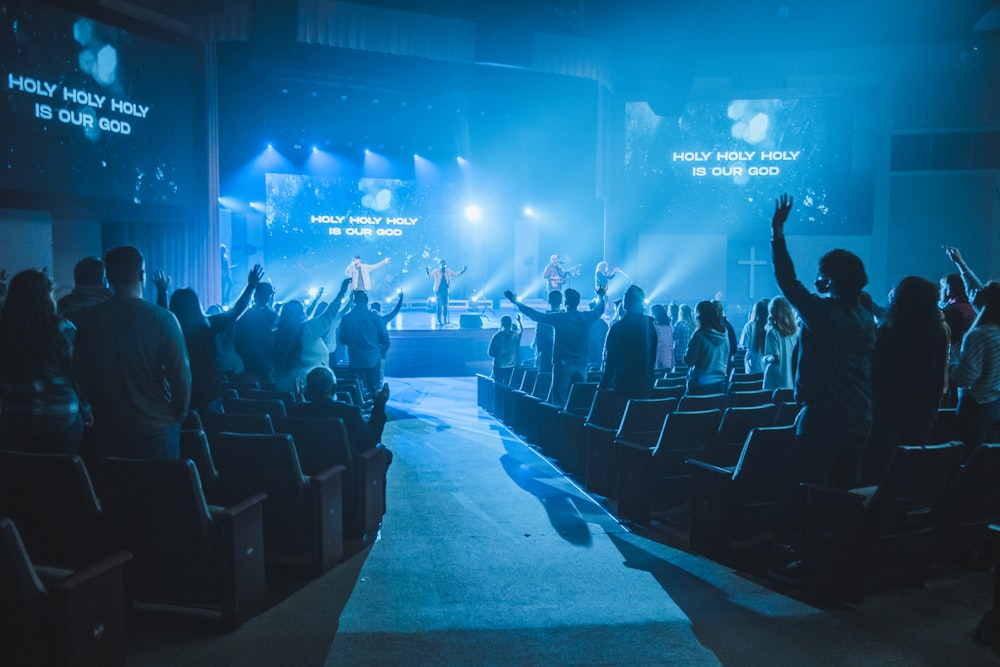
{"x": 708, "y": 352}
{"x": 977, "y": 373}
{"x": 752, "y": 338}
{"x": 39, "y": 406}
{"x": 780, "y": 339}
{"x": 664, "y": 338}
{"x": 202, "y": 334}
{"x": 302, "y": 343}
{"x": 909, "y": 372}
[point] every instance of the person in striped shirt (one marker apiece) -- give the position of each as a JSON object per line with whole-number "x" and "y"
{"x": 977, "y": 371}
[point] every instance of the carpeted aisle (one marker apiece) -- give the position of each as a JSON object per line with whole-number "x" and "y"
{"x": 489, "y": 556}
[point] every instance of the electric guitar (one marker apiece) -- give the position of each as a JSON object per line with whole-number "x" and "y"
{"x": 556, "y": 281}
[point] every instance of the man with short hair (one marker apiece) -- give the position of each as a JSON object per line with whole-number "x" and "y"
{"x": 89, "y": 290}
{"x": 253, "y": 336}
{"x": 572, "y": 335}
{"x": 545, "y": 335}
{"x": 630, "y": 349}
{"x": 132, "y": 367}
{"x": 360, "y": 273}
{"x": 362, "y": 332}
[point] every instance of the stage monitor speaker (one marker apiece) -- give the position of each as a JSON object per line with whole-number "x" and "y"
{"x": 467, "y": 321}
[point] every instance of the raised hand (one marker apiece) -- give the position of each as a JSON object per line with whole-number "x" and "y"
{"x": 344, "y": 284}
{"x": 782, "y": 207}
{"x": 510, "y": 296}
{"x": 255, "y": 276}
{"x": 161, "y": 280}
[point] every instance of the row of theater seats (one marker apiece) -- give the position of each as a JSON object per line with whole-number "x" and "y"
{"x": 254, "y": 490}
{"x": 720, "y": 468}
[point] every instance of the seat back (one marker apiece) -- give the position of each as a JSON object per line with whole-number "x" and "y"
{"x": 974, "y": 501}
{"x": 22, "y": 600}
{"x": 783, "y": 395}
{"x": 269, "y": 464}
{"x": 745, "y": 398}
{"x": 256, "y": 406}
{"x": 736, "y": 424}
{"x": 581, "y": 397}
{"x": 194, "y": 446}
{"x": 786, "y": 413}
{"x": 643, "y": 420}
{"x": 684, "y": 435}
{"x": 675, "y": 392}
{"x": 765, "y": 472}
{"x": 668, "y": 382}
{"x": 701, "y": 402}
{"x": 285, "y": 397}
{"x": 737, "y": 376}
{"x": 51, "y": 499}
{"x": 528, "y": 380}
{"x": 543, "y": 382}
{"x": 235, "y": 422}
{"x": 156, "y": 510}
{"x": 606, "y": 410}
{"x": 743, "y": 386}
{"x": 905, "y": 509}
{"x": 320, "y": 443}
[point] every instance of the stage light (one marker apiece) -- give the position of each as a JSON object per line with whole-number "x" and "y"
{"x": 472, "y": 213}
{"x": 270, "y": 147}
{"x": 528, "y": 211}
{"x": 315, "y": 148}
{"x": 313, "y": 291}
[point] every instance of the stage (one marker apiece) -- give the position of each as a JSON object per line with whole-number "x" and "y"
{"x": 420, "y": 348}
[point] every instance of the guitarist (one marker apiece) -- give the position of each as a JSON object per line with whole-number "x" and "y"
{"x": 557, "y": 275}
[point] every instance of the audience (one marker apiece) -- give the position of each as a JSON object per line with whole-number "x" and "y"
{"x": 779, "y": 345}
{"x": 202, "y": 335}
{"x": 384, "y": 342}
{"x": 362, "y": 332}
{"x": 833, "y": 376}
{"x": 545, "y": 334}
{"x": 753, "y": 336}
{"x": 300, "y": 343}
{"x": 631, "y": 349}
{"x": 132, "y": 367}
{"x": 253, "y": 336}
{"x": 362, "y": 434}
{"x": 708, "y": 353}
{"x": 571, "y": 340}
{"x": 40, "y": 410}
{"x": 683, "y": 330}
{"x": 504, "y": 347}
{"x": 90, "y": 289}
{"x": 977, "y": 371}
{"x": 909, "y": 372}
{"x": 664, "y": 338}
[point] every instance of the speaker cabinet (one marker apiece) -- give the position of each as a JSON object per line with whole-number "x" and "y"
{"x": 469, "y": 321}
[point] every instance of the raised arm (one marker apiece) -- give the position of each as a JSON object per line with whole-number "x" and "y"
{"x": 972, "y": 282}
{"x": 784, "y": 270}
{"x": 226, "y": 319}
{"x": 528, "y": 311}
{"x": 395, "y": 309}
{"x": 162, "y": 283}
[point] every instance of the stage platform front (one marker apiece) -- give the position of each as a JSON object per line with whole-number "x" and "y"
{"x": 420, "y": 348}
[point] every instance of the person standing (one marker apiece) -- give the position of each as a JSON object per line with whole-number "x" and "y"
{"x": 504, "y": 346}
{"x": 360, "y": 273}
{"x": 708, "y": 351}
{"x": 361, "y": 331}
{"x": 253, "y": 336}
{"x": 833, "y": 373}
{"x": 630, "y": 349}
{"x": 132, "y": 367}
{"x": 385, "y": 342}
{"x": 779, "y": 345}
{"x": 571, "y": 341}
{"x": 90, "y": 289}
{"x": 545, "y": 335}
{"x": 556, "y": 275}
{"x": 442, "y": 277}
{"x": 977, "y": 371}
{"x": 40, "y": 410}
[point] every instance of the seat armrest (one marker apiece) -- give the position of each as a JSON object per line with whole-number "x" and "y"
{"x": 371, "y": 479}
{"x": 88, "y": 614}
{"x": 702, "y": 468}
{"x": 327, "y": 503}
{"x": 240, "y": 533}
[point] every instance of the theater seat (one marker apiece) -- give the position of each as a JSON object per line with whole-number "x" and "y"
{"x": 186, "y": 556}
{"x": 57, "y": 617}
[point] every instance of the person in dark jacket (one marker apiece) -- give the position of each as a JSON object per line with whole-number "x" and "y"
{"x": 630, "y": 349}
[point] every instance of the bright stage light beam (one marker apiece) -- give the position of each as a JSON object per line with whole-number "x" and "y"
{"x": 473, "y": 213}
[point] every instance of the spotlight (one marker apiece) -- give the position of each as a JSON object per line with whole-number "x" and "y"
{"x": 270, "y": 147}
{"x": 472, "y": 213}
{"x": 528, "y": 211}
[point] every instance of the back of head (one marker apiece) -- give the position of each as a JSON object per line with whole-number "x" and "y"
{"x": 685, "y": 311}
{"x": 781, "y": 316}
{"x": 89, "y": 272}
{"x": 377, "y": 306}
{"x": 845, "y": 271}
{"x": 184, "y": 304}
{"x": 759, "y": 312}
{"x": 29, "y": 329}
{"x": 660, "y": 315}
{"x": 709, "y": 317}
{"x": 914, "y": 304}
{"x": 123, "y": 265}
{"x": 555, "y": 299}
{"x": 320, "y": 382}
{"x": 572, "y": 298}
{"x": 292, "y": 312}
{"x": 634, "y": 300}
{"x": 262, "y": 293}
{"x": 506, "y": 322}
{"x": 989, "y": 299}
{"x": 29, "y": 298}
{"x": 955, "y": 287}
{"x": 360, "y": 299}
